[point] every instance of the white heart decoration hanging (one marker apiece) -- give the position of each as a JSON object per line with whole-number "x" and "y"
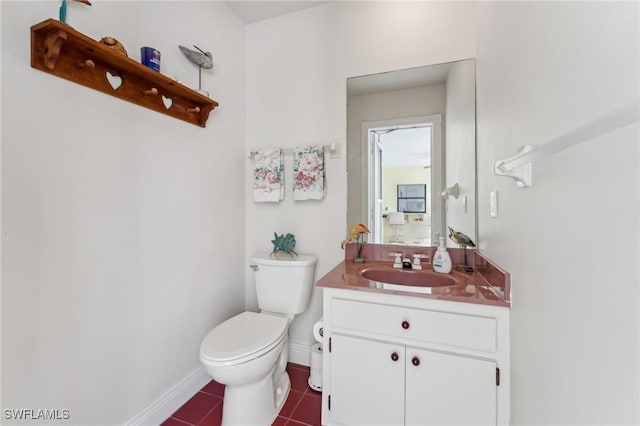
{"x": 114, "y": 80}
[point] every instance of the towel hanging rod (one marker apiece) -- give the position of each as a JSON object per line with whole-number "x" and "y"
{"x": 334, "y": 148}
{"x": 518, "y": 167}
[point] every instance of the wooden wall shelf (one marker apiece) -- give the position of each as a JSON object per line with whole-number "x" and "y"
{"x": 58, "y": 49}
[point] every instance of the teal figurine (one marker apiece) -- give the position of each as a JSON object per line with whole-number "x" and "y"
{"x": 285, "y": 243}
{"x": 63, "y": 9}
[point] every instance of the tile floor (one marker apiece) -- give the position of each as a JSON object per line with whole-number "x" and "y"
{"x": 302, "y": 408}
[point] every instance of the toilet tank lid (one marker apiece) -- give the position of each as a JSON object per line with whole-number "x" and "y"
{"x": 284, "y": 260}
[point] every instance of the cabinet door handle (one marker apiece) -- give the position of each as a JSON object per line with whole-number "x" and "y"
{"x": 405, "y": 324}
{"x": 394, "y": 356}
{"x": 415, "y": 361}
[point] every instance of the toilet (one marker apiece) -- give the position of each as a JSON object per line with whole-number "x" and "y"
{"x": 248, "y": 353}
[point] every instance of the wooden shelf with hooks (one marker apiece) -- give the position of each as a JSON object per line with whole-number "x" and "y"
{"x": 58, "y": 49}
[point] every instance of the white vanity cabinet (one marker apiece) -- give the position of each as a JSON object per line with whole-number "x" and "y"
{"x": 404, "y": 360}
{"x": 359, "y": 397}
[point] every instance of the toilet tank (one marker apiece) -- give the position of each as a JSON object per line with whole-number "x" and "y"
{"x": 283, "y": 283}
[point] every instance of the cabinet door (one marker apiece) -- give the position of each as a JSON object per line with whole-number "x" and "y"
{"x": 444, "y": 389}
{"x": 367, "y": 382}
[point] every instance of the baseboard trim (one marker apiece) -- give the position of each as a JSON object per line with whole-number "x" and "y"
{"x": 299, "y": 353}
{"x": 160, "y": 410}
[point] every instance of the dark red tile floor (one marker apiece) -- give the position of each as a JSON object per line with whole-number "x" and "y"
{"x": 302, "y": 407}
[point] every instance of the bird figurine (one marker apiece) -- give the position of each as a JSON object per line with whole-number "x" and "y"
{"x": 63, "y": 9}
{"x": 201, "y": 58}
{"x": 460, "y": 238}
{"x": 465, "y": 242}
{"x": 357, "y": 233}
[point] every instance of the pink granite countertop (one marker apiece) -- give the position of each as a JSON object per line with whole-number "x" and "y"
{"x": 488, "y": 284}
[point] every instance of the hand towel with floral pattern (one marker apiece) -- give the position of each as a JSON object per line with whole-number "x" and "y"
{"x": 268, "y": 182}
{"x": 308, "y": 173}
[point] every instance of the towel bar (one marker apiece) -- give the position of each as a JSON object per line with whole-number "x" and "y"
{"x": 334, "y": 148}
{"x": 621, "y": 117}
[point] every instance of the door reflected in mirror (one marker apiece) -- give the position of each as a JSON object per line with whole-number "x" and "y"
{"x": 407, "y": 130}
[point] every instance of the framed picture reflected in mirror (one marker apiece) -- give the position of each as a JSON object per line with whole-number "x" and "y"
{"x": 412, "y": 198}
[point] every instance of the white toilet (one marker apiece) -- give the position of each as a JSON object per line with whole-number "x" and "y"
{"x": 249, "y": 352}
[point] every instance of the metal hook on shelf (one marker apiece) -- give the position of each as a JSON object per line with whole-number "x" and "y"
{"x": 87, "y": 64}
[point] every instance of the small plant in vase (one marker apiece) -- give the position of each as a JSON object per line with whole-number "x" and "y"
{"x": 357, "y": 234}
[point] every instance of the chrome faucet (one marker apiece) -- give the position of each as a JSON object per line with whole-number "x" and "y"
{"x": 397, "y": 262}
{"x": 417, "y": 257}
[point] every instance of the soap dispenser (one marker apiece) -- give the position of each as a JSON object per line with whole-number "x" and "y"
{"x": 442, "y": 260}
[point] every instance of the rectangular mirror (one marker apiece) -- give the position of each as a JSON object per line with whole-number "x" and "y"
{"x": 413, "y": 128}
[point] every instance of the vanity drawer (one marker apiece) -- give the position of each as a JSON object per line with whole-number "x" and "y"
{"x": 471, "y": 332}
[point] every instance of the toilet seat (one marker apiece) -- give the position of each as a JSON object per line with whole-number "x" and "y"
{"x": 242, "y": 338}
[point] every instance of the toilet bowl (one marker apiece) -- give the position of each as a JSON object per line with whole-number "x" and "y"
{"x": 248, "y": 353}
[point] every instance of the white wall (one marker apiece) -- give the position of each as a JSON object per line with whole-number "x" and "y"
{"x": 543, "y": 69}
{"x": 297, "y": 66}
{"x": 122, "y": 228}
{"x": 571, "y": 240}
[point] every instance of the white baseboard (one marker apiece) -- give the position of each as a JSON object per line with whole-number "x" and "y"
{"x": 299, "y": 353}
{"x": 160, "y": 410}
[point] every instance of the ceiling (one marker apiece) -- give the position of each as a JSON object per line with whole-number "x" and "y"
{"x": 254, "y": 11}
{"x": 397, "y": 80}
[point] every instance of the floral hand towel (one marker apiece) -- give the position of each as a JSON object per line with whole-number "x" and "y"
{"x": 308, "y": 173}
{"x": 268, "y": 184}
